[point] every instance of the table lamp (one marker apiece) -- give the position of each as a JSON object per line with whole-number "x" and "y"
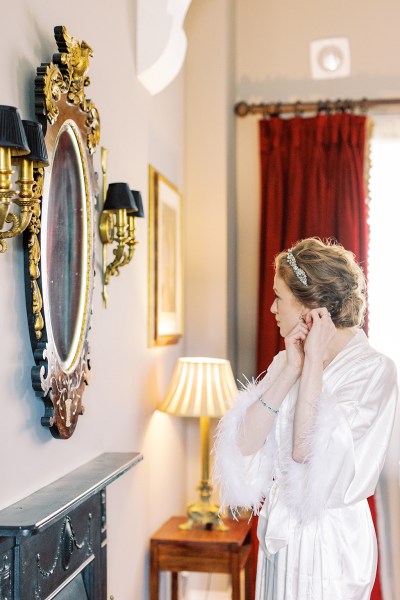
{"x": 204, "y": 388}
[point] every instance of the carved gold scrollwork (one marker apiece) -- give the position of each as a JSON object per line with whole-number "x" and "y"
{"x": 93, "y": 123}
{"x": 75, "y": 56}
{"x": 34, "y": 256}
{"x": 50, "y": 86}
{"x": 67, "y": 75}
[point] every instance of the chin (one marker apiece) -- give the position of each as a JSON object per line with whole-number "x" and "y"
{"x": 281, "y": 332}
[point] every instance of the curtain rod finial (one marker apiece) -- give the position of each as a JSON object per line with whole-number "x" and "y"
{"x": 242, "y": 109}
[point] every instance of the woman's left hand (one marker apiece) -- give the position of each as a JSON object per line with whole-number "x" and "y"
{"x": 321, "y": 332}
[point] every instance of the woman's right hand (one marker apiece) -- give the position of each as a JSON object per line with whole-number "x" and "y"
{"x": 294, "y": 344}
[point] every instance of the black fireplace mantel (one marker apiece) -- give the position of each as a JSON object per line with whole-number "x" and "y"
{"x": 53, "y": 543}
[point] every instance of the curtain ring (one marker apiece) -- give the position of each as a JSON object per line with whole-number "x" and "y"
{"x": 297, "y": 110}
{"x": 276, "y": 110}
{"x": 321, "y": 106}
{"x": 338, "y": 105}
{"x": 364, "y": 106}
{"x": 329, "y": 107}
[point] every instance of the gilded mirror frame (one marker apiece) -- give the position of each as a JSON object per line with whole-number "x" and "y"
{"x": 61, "y": 235}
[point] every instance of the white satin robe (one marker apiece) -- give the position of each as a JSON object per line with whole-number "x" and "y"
{"x": 317, "y": 540}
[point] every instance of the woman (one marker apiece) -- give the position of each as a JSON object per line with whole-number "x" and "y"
{"x": 310, "y": 437}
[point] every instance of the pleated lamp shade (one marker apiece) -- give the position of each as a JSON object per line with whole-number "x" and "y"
{"x": 200, "y": 387}
{"x": 35, "y": 138}
{"x": 12, "y": 134}
{"x": 119, "y": 196}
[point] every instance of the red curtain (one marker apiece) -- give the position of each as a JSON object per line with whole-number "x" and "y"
{"x": 312, "y": 184}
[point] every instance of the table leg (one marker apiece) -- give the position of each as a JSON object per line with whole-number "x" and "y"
{"x": 235, "y": 577}
{"x": 174, "y": 585}
{"x": 248, "y": 572}
{"x": 154, "y": 573}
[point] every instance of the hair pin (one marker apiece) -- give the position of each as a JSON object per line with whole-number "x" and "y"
{"x": 300, "y": 274}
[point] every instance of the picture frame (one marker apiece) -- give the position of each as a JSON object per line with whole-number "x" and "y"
{"x": 165, "y": 310}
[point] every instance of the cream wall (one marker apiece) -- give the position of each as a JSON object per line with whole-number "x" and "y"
{"x": 127, "y": 377}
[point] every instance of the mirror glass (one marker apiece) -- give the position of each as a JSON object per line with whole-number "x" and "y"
{"x": 66, "y": 246}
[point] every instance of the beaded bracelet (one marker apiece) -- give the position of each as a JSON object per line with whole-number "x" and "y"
{"x": 274, "y": 410}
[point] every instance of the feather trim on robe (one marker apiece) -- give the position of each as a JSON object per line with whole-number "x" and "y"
{"x": 243, "y": 481}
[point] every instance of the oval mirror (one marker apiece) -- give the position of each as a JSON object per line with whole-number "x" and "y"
{"x": 59, "y": 262}
{"x": 67, "y": 247}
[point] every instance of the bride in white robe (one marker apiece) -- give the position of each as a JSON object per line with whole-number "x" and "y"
{"x": 311, "y": 446}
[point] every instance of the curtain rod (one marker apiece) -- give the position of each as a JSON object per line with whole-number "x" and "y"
{"x": 242, "y": 108}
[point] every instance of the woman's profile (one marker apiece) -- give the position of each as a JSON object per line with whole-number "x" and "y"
{"x": 303, "y": 446}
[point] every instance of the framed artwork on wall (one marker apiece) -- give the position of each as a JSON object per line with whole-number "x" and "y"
{"x": 165, "y": 311}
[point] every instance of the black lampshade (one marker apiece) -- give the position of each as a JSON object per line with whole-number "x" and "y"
{"x": 12, "y": 134}
{"x": 139, "y": 203}
{"x": 35, "y": 138}
{"x": 119, "y": 196}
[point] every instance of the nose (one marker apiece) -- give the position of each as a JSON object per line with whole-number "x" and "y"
{"x": 274, "y": 308}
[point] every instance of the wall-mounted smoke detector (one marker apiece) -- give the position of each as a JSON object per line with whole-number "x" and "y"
{"x": 330, "y": 58}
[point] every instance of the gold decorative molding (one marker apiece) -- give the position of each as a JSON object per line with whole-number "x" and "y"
{"x": 67, "y": 75}
{"x": 34, "y": 256}
{"x": 50, "y": 85}
{"x": 71, "y": 125}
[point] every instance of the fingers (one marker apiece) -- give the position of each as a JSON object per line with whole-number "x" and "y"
{"x": 299, "y": 332}
{"x": 318, "y": 313}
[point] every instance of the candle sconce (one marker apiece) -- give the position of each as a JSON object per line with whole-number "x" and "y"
{"x": 117, "y": 226}
{"x": 22, "y": 144}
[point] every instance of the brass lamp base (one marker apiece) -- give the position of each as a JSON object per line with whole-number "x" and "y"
{"x": 203, "y": 515}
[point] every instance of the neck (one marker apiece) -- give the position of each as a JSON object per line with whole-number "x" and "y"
{"x": 341, "y": 338}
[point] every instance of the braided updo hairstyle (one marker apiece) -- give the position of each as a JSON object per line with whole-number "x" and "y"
{"x": 334, "y": 280}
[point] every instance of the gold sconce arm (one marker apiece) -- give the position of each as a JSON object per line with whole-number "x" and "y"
{"x": 21, "y": 143}
{"x": 131, "y": 240}
{"x": 19, "y": 224}
{"x": 22, "y": 198}
{"x": 117, "y": 225}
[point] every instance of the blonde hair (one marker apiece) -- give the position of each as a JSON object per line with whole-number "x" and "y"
{"x": 334, "y": 279}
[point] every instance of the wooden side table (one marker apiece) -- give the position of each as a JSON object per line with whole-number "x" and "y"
{"x": 173, "y": 549}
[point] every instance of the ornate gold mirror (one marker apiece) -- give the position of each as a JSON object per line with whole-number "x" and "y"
{"x": 59, "y": 255}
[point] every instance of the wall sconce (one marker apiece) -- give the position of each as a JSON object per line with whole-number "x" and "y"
{"x": 22, "y": 144}
{"x": 117, "y": 225}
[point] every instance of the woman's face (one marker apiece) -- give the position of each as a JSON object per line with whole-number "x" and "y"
{"x": 286, "y": 308}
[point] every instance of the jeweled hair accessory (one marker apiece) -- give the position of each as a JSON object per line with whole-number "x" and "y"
{"x": 300, "y": 274}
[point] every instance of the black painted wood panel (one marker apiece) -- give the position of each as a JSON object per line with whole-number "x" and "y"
{"x": 53, "y": 543}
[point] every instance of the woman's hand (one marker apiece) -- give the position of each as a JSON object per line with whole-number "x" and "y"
{"x": 321, "y": 331}
{"x": 294, "y": 344}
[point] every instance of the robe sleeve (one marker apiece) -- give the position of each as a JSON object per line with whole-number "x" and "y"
{"x": 349, "y": 441}
{"x": 244, "y": 481}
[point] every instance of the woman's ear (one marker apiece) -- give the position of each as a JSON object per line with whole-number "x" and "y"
{"x": 304, "y": 312}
